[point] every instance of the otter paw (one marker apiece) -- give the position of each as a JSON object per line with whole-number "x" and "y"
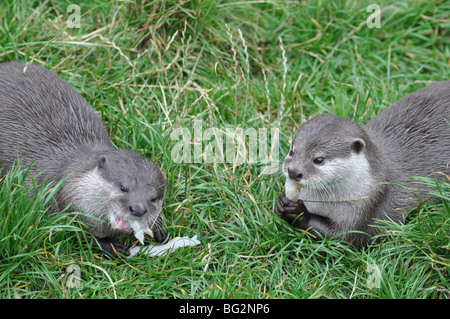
{"x": 289, "y": 210}
{"x": 160, "y": 235}
{"x": 112, "y": 247}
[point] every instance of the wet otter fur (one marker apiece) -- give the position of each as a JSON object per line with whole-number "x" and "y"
{"x": 46, "y": 123}
{"x": 348, "y": 174}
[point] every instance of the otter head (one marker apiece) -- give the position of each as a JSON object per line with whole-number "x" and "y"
{"x": 328, "y": 157}
{"x": 122, "y": 188}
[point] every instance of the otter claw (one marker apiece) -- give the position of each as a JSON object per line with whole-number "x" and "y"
{"x": 160, "y": 236}
{"x": 111, "y": 247}
{"x": 289, "y": 210}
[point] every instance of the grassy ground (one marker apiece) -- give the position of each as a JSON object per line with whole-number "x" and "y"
{"x": 149, "y": 67}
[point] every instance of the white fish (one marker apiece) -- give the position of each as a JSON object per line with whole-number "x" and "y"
{"x": 291, "y": 189}
{"x": 140, "y": 229}
{"x": 162, "y": 250}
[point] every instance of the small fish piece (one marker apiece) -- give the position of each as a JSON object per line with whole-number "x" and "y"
{"x": 162, "y": 250}
{"x": 292, "y": 190}
{"x": 140, "y": 229}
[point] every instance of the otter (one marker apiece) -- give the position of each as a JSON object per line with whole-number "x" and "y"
{"x": 351, "y": 177}
{"x": 47, "y": 126}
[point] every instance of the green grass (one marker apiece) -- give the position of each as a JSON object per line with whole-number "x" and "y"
{"x": 148, "y": 67}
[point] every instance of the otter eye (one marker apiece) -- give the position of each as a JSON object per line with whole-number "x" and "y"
{"x": 123, "y": 189}
{"x": 154, "y": 200}
{"x": 318, "y": 160}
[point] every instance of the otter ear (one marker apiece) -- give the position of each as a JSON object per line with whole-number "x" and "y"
{"x": 358, "y": 145}
{"x": 102, "y": 161}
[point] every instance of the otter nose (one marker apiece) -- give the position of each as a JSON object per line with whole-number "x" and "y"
{"x": 294, "y": 174}
{"x": 137, "y": 210}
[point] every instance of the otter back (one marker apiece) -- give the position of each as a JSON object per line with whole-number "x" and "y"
{"x": 44, "y": 119}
